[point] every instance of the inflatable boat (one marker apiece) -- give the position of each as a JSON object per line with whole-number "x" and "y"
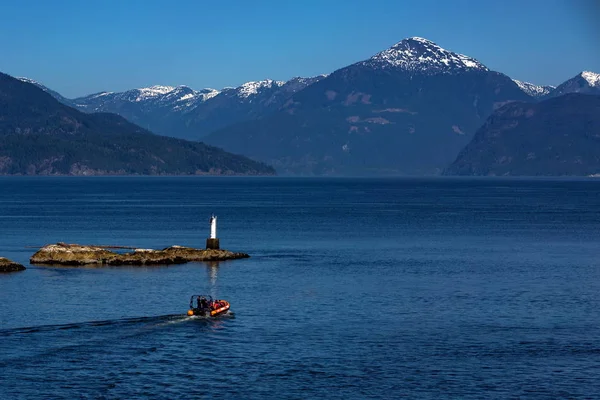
{"x": 204, "y": 306}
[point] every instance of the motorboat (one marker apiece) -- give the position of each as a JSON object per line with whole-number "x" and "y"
{"x": 205, "y": 306}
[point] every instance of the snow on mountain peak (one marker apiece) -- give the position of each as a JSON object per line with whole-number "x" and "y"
{"x": 159, "y": 89}
{"x": 422, "y": 55}
{"x": 153, "y": 91}
{"x": 251, "y": 88}
{"x": 101, "y": 94}
{"x": 186, "y": 98}
{"x": 27, "y": 80}
{"x": 190, "y": 96}
{"x": 533, "y": 90}
{"x": 592, "y": 78}
{"x": 420, "y": 39}
{"x": 208, "y": 93}
{"x": 36, "y": 83}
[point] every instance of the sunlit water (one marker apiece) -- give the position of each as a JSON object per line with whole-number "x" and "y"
{"x": 356, "y": 288}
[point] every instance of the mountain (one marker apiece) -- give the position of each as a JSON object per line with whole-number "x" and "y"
{"x": 157, "y": 108}
{"x": 41, "y": 136}
{"x": 586, "y": 82}
{"x": 180, "y": 111}
{"x": 51, "y": 92}
{"x": 534, "y": 91}
{"x": 407, "y": 110}
{"x": 247, "y": 102}
{"x": 144, "y": 100}
{"x": 147, "y": 99}
{"x": 419, "y": 55}
{"x": 558, "y": 136}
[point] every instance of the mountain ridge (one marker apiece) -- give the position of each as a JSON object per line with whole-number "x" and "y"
{"x": 41, "y": 136}
{"x": 585, "y": 82}
{"x": 377, "y": 117}
{"x": 431, "y": 58}
{"x": 535, "y": 91}
{"x": 437, "y": 97}
{"x": 559, "y": 136}
{"x": 180, "y": 111}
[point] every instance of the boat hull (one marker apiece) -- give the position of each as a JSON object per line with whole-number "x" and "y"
{"x": 222, "y": 310}
{"x": 210, "y": 313}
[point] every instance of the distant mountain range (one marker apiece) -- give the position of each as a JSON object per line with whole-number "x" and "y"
{"x": 534, "y": 91}
{"x": 409, "y": 109}
{"x": 41, "y": 136}
{"x": 558, "y": 136}
{"x": 182, "y": 112}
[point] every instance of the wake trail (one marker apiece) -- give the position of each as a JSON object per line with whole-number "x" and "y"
{"x": 159, "y": 320}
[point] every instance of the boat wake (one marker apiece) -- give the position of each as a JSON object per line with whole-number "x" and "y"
{"x": 30, "y": 345}
{"x": 155, "y": 320}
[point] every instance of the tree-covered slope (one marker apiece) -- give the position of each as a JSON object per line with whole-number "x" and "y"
{"x": 556, "y": 137}
{"x": 39, "y": 135}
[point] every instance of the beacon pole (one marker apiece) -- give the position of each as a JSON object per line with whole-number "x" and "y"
{"x": 212, "y": 243}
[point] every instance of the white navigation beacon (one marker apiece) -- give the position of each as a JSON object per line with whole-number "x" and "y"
{"x": 212, "y": 242}
{"x": 213, "y": 227}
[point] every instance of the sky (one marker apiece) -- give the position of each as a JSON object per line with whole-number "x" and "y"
{"x": 81, "y": 47}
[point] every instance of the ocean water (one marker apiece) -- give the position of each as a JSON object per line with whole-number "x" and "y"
{"x": 355, "y": 289}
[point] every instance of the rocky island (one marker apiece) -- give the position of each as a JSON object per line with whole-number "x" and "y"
{"x": 7, "y": 265}
{"x": 77, "y": 255}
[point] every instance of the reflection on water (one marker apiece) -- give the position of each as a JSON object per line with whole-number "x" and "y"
{"x": 212, "y": 268}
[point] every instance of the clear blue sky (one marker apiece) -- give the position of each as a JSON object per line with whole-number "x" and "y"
{"x": 78, "y": 47}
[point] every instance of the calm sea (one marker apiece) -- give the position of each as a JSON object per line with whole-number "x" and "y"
{"x": 356, "y": 288}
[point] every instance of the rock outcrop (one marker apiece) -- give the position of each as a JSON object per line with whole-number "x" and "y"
{"x": 7, "y": 265}
{"x": 75, "y": 254}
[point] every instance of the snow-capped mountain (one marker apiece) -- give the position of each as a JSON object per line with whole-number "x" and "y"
{"x": 181, "y": 111}
{"x": 268, "y": 91}
{"x": 246, "y": 102}
{"x": 249, "y": 89}
{"x": 534, "y": 91}
{"x": 170, "y": 97}
{"x": 416, "y": 54}
{"x": 586, "y": 82}
{"x": 592, "y": 78}
{"x": 408, "y": 109}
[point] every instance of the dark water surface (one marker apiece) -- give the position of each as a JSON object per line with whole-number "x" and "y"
{"x": 356, "y": 288}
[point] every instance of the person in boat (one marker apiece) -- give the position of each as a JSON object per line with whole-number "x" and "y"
{"x": 202, "y": 303}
